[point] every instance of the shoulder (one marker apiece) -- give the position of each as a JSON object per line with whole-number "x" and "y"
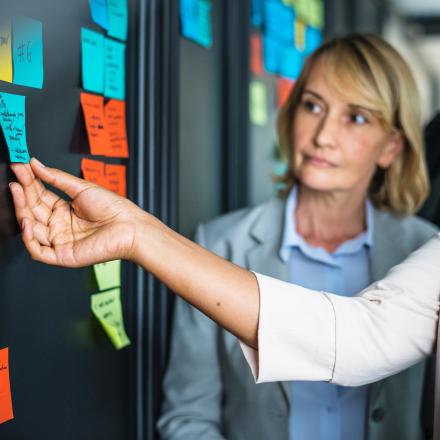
{"x": 236, "y": 225}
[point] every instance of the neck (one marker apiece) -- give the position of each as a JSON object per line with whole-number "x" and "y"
{"x": 327, "y": 219}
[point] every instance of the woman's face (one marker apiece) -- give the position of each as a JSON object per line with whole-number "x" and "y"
{"x": 337, "y": 143}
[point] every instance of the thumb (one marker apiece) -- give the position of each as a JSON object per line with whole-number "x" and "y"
{"x": 61, "y": 180}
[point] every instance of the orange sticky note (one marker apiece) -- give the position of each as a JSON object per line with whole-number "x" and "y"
{"x": 284, "y": 86}
{"x": 93, "y": 109}
{"x": 94, "y": 171}
{"x": 116, "y": 128}
{"x": 6, "y": 412}
{"x": 116, "y": 179}
{"x": 256, "y": 59}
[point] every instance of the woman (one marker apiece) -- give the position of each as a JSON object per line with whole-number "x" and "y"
{"x": 295, "y": 333}
{"x": 356, "y": 175}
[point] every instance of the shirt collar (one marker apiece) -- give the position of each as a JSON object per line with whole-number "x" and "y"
{"x": 291, "y": 238}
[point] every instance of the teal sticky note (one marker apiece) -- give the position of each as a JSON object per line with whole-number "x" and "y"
{"x": 13, "y": 123}
{"x": 117, "y": 19}
{"x": 204, "y": 23}
{"x": 27, "y": 52}
{"x": 98, "y": 9}
{"x": 92, "y": 60}
{"x": 195, "y": 17}
{"x": 114, "y": 61}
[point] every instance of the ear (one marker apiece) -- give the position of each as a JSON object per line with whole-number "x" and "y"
{"x": 392, "y": 149}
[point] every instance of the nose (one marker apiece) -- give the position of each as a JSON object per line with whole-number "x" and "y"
{"x": 326, "y": 132}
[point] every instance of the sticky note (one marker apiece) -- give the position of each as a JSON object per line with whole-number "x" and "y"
{"x": 300, "y": 35}
{"x": 257, "y": 13}
{"x": 256, "y": 55}
{"x": 28, "y": 52}
{"x": 310, "y": 12}
{"x": 108, "y": 275}
{"x": 93, "y": 171}
{"x": 116, "y": 127}
{"x": 284, "y": 87}
{"x": 6, "y": 412}
{"x": 271, "y": 55}
{"x": 92, "y": 60}
{"x": 6, "y": 52}
{"x": 313, "y": 39}
{"x": 279, "y": 22}
{"x": 107, "y": 308}
{"x": 117, "y": 19}
{"x": 196, "y": 21}
{"x": 258, "y": 103}
{"x": 98, "y": 9}
{"x": 116, "y": 179}
{"x": 93, "y": 109}
{"x": 13, "y": 123}
{"x": 114, "y": 62}
{"x": 291, "y": 62}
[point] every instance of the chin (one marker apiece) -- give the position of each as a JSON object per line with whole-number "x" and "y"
{"x": 319, "y": 181}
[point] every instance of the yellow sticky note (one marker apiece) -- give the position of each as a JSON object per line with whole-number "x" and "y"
{"x": 5, "y": 52}
{"x": 107, "y": 308}
{"x": 258, "y": 103}
{"x": 108, "y": 274}
{"x": 300, "y": 35}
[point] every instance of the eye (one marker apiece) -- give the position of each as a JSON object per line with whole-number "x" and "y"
{"x": 358, "y": 118}
{"x": 311, "y": 106}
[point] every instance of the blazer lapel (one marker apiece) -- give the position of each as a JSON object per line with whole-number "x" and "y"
{"x": 264, "y": 256}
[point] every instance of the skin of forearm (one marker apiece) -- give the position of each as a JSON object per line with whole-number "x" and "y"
{"x": 226, "y": 293}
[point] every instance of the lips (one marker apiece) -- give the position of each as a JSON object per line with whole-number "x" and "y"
{"x": 319, "y": 162}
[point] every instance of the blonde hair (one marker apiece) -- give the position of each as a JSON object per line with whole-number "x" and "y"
{"x": 366, "y": 66}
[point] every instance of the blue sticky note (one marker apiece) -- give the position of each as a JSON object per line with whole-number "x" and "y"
{"x": 114, "y": 62}
{"x": 117, "y": 19}
{"x": 195, "y": 17}
{"x": 13, "y": 123}
{"x": 291, "y": 62}
{"x": 27, "y": 52}
{"x": 257, "y": 13}
{"x": 313, "y": 39}
{"x": 98, "y": 9}
{"x": 92, "y": 59}
{"x": 271, "y": 55}
{"x": 279, "y": 21}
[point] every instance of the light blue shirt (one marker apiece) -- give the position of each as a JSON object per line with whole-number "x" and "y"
{"x": 320, "y": 410}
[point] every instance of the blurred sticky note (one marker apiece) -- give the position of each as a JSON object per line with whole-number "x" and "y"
{"x": 93, "y": 109}
{"x": 271, "y": 54}
{"x": 114, "y": 61}
{"x": 256, "y": 55}
{"x": 310, "y": 12}
{"x": 116, "y": 179}
{"x": 6, "y": 412}
{"x": 300, "y": 35}
{"x": 98, "y": 9}
{"x": 116, "y": 128}
{"x": 258, "y": 103}
{"x": 117, "y": 19}
{"x": 313, "y": 39}
{"x": 93, "y": 171}
{"x": 257, "y": 13}
{"x": 284, "y": 86}
{"x": 13, "y": 123}
{"x": 291, "y": 62}
{"x": 107, "y": 308}
{"x": 279, "y": 22}
{"x": 28, "y": 52}
{"x": 5, "y": 52}
{"x": 196, "y": 21}
{"x": 92, "y": 60}
{"x": 108, "y": 275}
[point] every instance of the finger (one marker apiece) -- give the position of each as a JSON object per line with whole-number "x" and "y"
{"x": 61, "y": 180}
{"x": 20, "y": 203}
{"x": 40, "y": 200}
{"x": 45, "y": 254}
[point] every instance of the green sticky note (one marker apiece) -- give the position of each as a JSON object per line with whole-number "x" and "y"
{"x": 107, "y": 308}
{"x": 114, "y": 62}
{"x": 13, "y": 124}
{"x": 108, "y": 274}
{"x": 5, "y": 52}
{"x": 92, "y": 60}
{"x": 258, "y": 103}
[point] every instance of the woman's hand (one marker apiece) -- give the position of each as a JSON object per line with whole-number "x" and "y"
{"x": 96, "y": 225}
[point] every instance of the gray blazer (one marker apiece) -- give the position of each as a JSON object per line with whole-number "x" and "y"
{"x": 209, "y": 392}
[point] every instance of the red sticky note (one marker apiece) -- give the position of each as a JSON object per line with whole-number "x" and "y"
{"x": 284, "y": 87}
{"x": 6, "y": 412}
{"x": 93, "y": 109}
{"x": 116, "y": 128}
{"x": 256, "y": 58}
{"x": 94, "y": 171}
{"x": 116, "y": 179}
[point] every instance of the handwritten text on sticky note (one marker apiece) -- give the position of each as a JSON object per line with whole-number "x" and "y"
{"x": 116, "y": 179}
{"x": 92, "y": 60}
{"x": 93, "y": 171}
{"x": 108, "y": 274}
{"x": 116, "y": 127}
{"x": 117, "y": 19}
{"x": 114, "y": 63}
{"x": 6, "y": 412}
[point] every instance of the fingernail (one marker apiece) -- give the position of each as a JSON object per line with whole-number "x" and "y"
{"x": 38, "y": 163}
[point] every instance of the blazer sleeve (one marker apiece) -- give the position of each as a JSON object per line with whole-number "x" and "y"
{"x": 192, "y": 384}
{"x": 309, "y": 335}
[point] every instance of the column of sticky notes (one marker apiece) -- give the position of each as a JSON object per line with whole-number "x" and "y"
{"x": 21, "y": 63}
{"x": 104, "y": 110}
